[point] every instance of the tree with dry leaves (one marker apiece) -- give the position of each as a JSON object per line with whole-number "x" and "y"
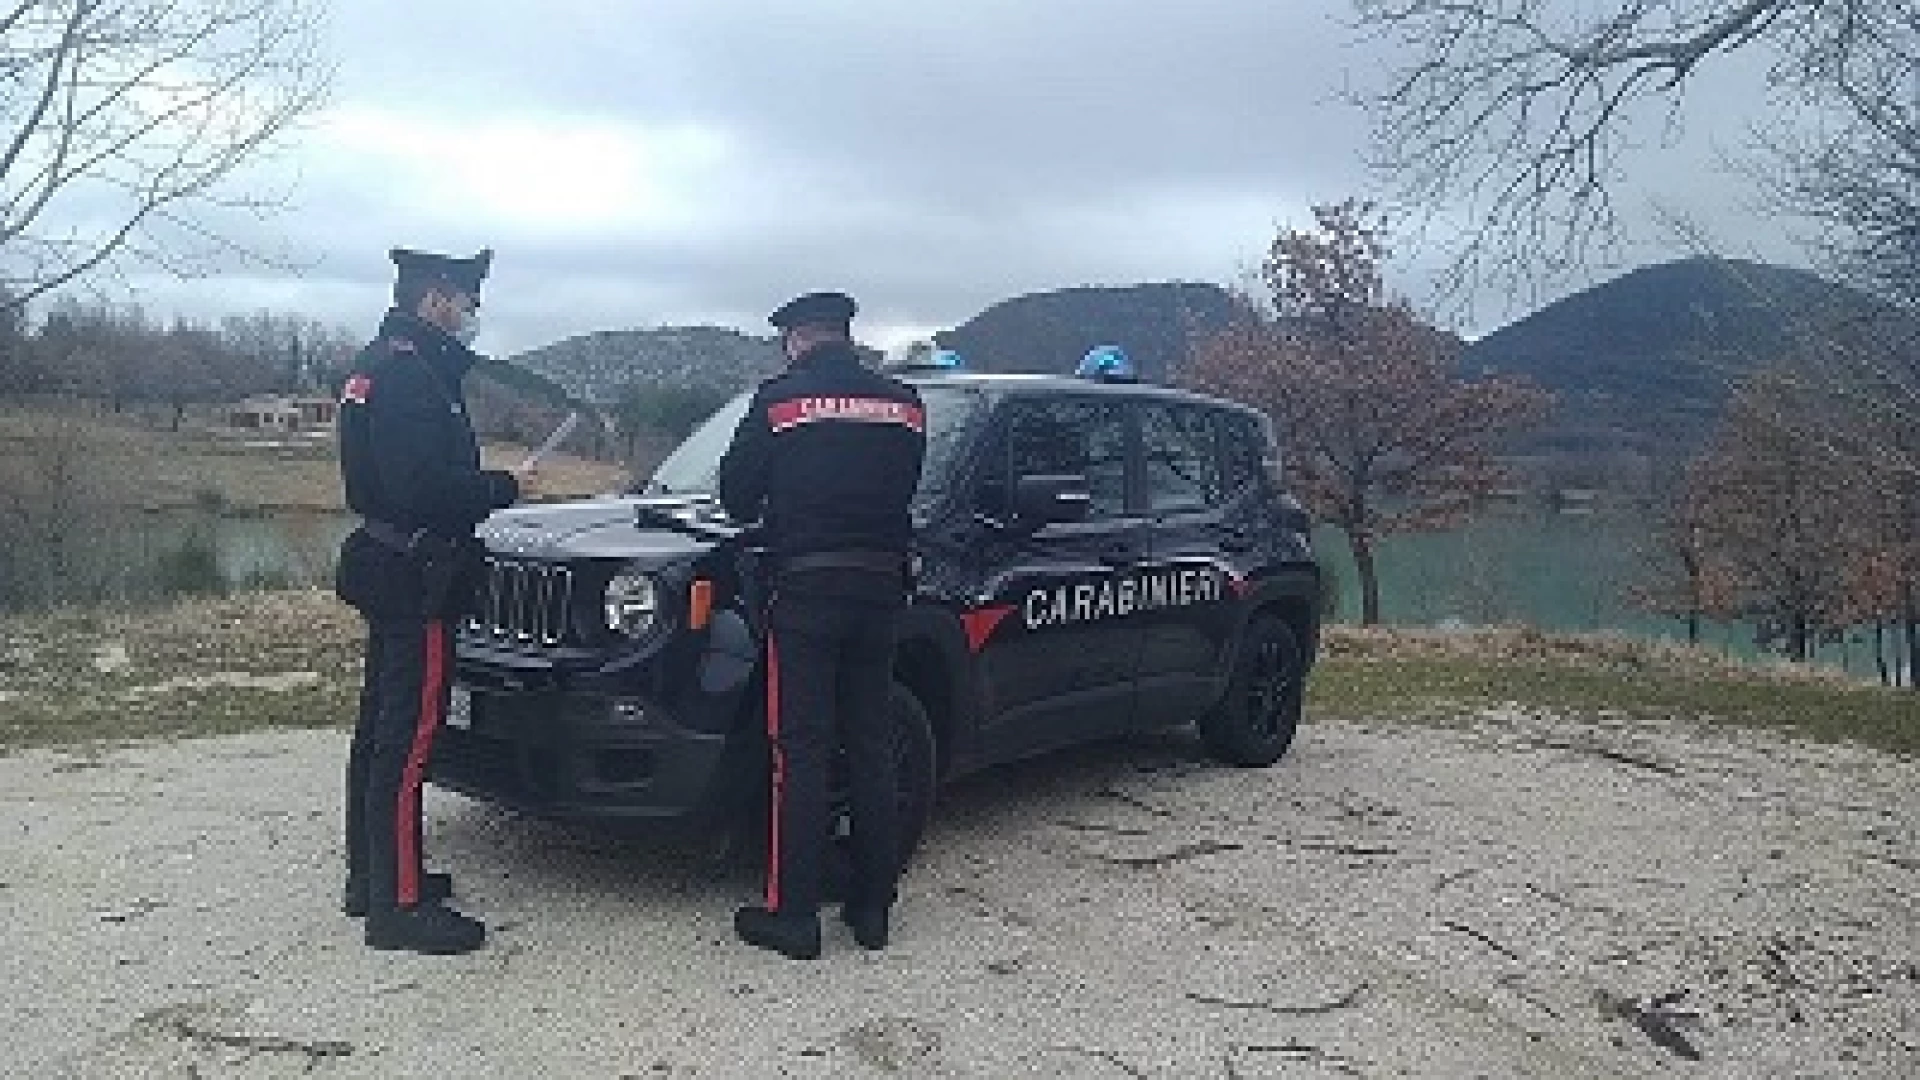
{"x": 1787, "y": 521}
{"x": 1684, "y": 576}
{"x": 1382, "y": 433}
{"x": 126, "y": 122}
{"x": 1849, "y": 392}
{"x": 1883, "y": 571}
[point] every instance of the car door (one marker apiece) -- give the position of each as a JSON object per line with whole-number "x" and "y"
{"x": 1057, "y": 656}
{"x": 1187, "y": 632}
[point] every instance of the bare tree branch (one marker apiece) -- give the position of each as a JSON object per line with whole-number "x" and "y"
{"x": 1516, "y": 112}
{"x": 131, "y": 114}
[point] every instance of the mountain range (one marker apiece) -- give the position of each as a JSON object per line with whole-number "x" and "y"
{"x": 1641, "y": 363}
{"x": 600, "y": 367}
{"x": 1645, "y": 361}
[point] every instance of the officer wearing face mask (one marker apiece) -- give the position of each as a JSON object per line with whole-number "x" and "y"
{"x": 411, "y": 467}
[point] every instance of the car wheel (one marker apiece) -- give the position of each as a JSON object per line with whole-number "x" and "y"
{"x": 917, "y": 778}
{"x": 916, "y": 774}
{"x": 1254, "y": 723}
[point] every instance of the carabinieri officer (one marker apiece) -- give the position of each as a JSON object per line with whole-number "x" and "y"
{"x": 411, "y": 467}
{"x": 827, "y": 459}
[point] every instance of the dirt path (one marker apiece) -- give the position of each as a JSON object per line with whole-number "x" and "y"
{"x": 1507, "y": 899}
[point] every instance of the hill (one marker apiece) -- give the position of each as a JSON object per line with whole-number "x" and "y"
{"x": 1643, "y": 363}
{"x": 598, "y": 367}
{"x": 526, "y": 386}
{"x": 1049, "y": 332}
{"x": 513, "y": 404}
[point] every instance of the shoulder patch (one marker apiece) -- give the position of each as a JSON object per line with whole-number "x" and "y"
{"x": 357, "y": 389}
{"x": 400, "y": 344}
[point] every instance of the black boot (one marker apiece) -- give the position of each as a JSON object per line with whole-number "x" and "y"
{"x": 796, "y": 937}
{"x": 429, "y": 929}
{"x": 869, "y": 925}
{"x": 434, "y": 889}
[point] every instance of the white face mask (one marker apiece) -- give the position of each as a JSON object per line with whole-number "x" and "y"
{"x": 468, "y": 329}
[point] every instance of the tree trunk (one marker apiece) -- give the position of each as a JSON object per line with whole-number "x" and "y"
{"x": 1880, "y": 651}
{"x": 1693, "y": 628}
{"x": 1913, "y": 638}
{"x": 1797, "y": 638}
{"x": 1362, "y": 544}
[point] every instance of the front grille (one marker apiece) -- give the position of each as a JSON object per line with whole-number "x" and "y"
{"x": 524, "y": 603}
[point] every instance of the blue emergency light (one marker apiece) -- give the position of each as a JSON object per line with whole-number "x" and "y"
{"x": 937, "y": 360}
{"x": 1107, "y": 363}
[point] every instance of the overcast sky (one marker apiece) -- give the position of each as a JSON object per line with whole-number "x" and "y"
{"x": 656, "y": 162}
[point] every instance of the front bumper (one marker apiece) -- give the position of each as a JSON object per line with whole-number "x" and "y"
{"x": 604, "y": 747}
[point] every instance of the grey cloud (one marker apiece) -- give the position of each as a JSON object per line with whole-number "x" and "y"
{"x": 933, "y": 159}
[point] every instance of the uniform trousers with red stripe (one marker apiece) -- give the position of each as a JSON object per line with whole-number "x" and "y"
{"x": 829, "y": 662}
{"x": 402, "y": 703}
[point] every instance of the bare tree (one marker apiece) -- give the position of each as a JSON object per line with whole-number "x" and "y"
{"x": 1854, "y": 170}
{"x": 126, "y": 120}
{"x": 298, "y": 352}
{"x": 1516, "y": 112}
{"x": 1382, "y": 431}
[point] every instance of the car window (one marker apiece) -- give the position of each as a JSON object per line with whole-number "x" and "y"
{"x": 694, "y": 466}
{"x": 1243, "y": 452}
{"x": 1180, "y": 449}
{"x": 1070, "y": 437}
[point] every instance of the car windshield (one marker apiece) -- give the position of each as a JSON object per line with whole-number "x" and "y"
{"x": 694, "y": 467}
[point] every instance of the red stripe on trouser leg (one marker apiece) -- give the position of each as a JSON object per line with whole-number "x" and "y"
{"x": 406, "y": 819}
{"x": 779, "y": 772}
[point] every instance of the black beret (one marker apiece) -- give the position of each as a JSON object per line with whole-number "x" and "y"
{"x": 463, "y": 274}
{"x": 815, "y": 309}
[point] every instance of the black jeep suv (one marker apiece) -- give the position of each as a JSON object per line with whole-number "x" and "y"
{"x": 1093, "y": 557}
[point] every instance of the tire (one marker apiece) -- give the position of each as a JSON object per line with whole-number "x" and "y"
{"x": 916, "y": 760}
{"x": 1254, "y": 723}
{"x": 916, "y": 767}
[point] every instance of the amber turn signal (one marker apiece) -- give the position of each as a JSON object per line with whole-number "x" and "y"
{"x": 699, "y": 604}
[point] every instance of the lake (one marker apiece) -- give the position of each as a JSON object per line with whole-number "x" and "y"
{"x": 1511, "y": 564}
{"x": 1570, "y": 571}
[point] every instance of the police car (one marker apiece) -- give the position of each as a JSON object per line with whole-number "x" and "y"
{"x": 1095, "y": 556}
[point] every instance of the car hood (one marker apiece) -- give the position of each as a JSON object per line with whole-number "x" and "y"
{"x": 651, "y": 530}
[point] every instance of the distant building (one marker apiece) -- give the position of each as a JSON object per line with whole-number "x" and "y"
{"x": 283, "y": 414}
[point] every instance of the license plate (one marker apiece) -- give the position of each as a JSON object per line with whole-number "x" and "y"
{"x": 460, "y": 708}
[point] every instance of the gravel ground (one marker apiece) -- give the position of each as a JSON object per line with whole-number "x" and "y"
{"x": 1516, "y": 896}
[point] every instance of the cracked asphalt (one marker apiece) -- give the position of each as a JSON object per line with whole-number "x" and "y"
{"x": 1518, "y": 895}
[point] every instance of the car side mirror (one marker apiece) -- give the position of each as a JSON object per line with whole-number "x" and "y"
{"x": 1039, "y": 501}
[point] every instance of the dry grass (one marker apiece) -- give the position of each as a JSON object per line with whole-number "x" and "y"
{"x": 199, "y": 667}
{"x": 291, "y": 659}
{"x": 1607, "y": 651}
{"x": 133, "y": 463}
{"x": 1410, "y": 674}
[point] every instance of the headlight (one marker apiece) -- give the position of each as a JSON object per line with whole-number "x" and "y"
{"x": 632, "y": 603}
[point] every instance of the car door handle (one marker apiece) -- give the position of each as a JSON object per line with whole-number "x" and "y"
{"x": 1120, "y": 555}
{"x": 1237, "y": 540}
